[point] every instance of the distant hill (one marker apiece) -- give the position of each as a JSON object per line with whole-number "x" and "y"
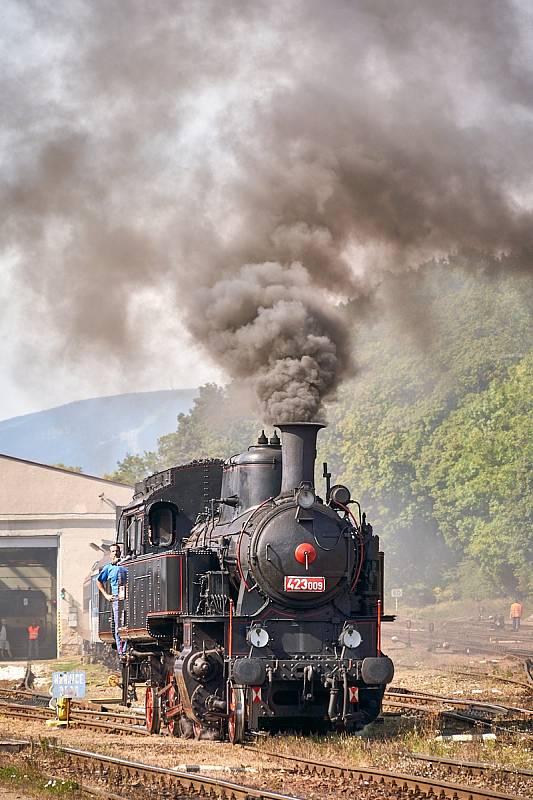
{"x": 95, "y": 434}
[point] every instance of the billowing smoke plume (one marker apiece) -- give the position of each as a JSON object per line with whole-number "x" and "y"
{"x": 267, "y": 323}
{"x": 256, "y": 164}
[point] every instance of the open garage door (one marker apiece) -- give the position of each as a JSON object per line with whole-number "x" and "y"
{"x": 28, "y": 592}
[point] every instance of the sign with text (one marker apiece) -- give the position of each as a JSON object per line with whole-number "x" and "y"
{"x": 396, "y": 592}
{"x": 295, "y": 583}
{"x": 68, "y": 684}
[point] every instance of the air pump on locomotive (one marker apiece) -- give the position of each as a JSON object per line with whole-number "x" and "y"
{"x": 251, "y": 602}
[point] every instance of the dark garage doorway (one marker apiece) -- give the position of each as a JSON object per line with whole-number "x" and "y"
{"x": 28, "y": 592}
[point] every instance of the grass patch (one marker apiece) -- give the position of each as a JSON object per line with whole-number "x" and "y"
{"x": 28, "y": 778}
{"x": 67, "y": 666}
{"x": 96, "y": 675}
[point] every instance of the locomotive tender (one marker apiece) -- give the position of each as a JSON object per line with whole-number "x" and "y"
{"x": 251, "y": 603}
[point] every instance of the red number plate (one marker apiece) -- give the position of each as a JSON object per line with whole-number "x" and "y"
{"x": 293, "y": 583}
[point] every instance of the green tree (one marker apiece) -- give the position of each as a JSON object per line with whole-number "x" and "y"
{"x": 477, "y": 470}
{"x": 133, "y": 468}
{"x": 459, "y": 333}
{"x": 215, "y": 427}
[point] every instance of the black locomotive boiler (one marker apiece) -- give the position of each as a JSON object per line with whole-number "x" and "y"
{"x": 251, "y": 603}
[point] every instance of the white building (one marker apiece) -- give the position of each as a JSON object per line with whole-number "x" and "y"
{"x": 48, "y": 519}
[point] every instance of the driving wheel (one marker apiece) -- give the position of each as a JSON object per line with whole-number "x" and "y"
{"x": 237, "y": 716}
{"x": 173, "y": 723}
{"x": 152, "y": 710}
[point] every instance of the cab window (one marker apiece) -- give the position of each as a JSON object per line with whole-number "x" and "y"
{"x": 133, "y": 535}
{"x": 162, "y": 525}
{"x": 129, "y": 535}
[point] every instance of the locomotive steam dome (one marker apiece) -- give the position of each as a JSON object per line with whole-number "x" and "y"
{"x": 251, "y": 477}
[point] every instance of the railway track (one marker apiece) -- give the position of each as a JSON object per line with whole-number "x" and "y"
{"x": 129, "y": 719}
{"x": 25, "y": 696}
{"x": 489, "y": 676}
{"x": 501, "y": 709}
{"x": 470, "y": 767}
{"x": 466, "y": 637}
{"x": 83, "y": 718}
{"x": 31, "y": 705}
{"x": 508, "y": 719}
{"x": 119, "y": 771}
{"x": 83, "y": 713}
{"x": 419, "y": 785}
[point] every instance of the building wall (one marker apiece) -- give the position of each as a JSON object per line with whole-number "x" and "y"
{"x": 37, "y": 500}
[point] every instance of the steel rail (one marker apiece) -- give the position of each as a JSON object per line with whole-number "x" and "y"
{"x": 110, "y": 727}
{"x": 43, "y": 714}
{"x": 473, "y": 767}
{"x": 28, "y": 692}
{"x": 435, "y": 709}
{"x": 31, "y": 712}
{"x": 438, "y": 698}
{"x": 25, "y": 694}
{"x": 406, "y": 703}
{"x": 414, "y": 783}
{"x": 465, "y": 701}
{"x": 101, "y": 707}
{"x": 130, "y": 719}
{"x": 77, "y": 706}
{"x": 472, "y": 719}
{"x": 475, "y": 674}
{"x": 194, "y": 783}
{"x": 471, "y": 644}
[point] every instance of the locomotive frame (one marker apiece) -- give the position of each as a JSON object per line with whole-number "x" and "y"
{"x": 251, "y": 603}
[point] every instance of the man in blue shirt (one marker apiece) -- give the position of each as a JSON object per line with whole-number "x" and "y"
{"x": 116, "y": 575}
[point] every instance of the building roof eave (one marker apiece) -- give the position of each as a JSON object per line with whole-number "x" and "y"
{"x": 67, "y": 471}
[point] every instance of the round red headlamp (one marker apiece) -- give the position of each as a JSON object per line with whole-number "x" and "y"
{"x": 305, "y": 552}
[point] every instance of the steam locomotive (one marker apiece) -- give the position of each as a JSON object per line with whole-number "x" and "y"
{"x": 252, "y": 603}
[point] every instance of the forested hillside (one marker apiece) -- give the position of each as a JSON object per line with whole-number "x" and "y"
{"x": 434, "y": 433}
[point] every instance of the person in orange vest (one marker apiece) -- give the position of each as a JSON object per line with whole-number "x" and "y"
{"x": 33, "y": 641}
{"x": 515, "y": 614}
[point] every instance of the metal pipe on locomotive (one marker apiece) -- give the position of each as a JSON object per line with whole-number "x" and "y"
{"x": 252, "y": 603}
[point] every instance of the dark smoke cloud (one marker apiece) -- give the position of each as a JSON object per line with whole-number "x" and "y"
{"x": 259, "y": 163}
{"x": 266, "y": 323}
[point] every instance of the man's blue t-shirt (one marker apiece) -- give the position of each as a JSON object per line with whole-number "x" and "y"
{"x": 115, "y": 574}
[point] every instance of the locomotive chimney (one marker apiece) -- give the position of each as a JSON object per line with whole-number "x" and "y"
{"x": 298, "y": 453}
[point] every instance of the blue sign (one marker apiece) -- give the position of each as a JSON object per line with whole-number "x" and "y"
{"x": 68, "y": 684}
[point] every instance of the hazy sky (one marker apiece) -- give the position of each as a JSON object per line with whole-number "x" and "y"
{"x": 176, "y": 362}
{"x": 223, "y": 172}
